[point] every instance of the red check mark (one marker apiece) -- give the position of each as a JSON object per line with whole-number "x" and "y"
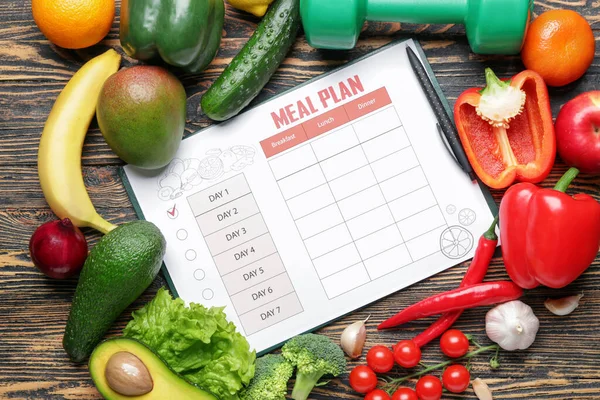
{"x": 173, "y": 212}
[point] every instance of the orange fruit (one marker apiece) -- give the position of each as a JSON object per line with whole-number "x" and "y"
{"x": 74, "y": 24}
{"x": 559, "y": 46}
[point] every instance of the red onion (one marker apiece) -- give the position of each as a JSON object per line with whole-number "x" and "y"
{"x": 58, "y": 249}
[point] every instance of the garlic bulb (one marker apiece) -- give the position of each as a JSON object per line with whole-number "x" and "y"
{"x": 353, "y": 338}
{"x": 512, "y": 325}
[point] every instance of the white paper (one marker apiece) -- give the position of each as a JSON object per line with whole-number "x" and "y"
{"x": 290, "y": 242}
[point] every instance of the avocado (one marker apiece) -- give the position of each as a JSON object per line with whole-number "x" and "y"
{"x": 117, "y": 271}
{"x": 160, "y": 382}
{"x": 141, "y": 112}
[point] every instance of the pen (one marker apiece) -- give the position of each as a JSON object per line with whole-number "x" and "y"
{"x": 445, "y": 124}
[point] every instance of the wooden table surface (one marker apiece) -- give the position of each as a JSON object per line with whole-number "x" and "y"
{"x": 563, "y": 363}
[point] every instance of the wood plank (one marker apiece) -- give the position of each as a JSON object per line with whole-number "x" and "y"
{"x": 32, "y": 344}
{"x": 19, "y": 185}
{"x": 541, "y": 389}
{"x": 562, "y": 364}
{"x": 28, "y": 102}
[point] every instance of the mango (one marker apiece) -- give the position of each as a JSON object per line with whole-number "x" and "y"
{"x": 141, "y": 112}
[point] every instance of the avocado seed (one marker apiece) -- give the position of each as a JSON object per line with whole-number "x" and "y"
{"x": 127, "y": 375}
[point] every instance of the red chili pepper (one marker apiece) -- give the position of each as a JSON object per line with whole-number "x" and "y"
{"x": 548, "y": 237}
{"x": 475, "y": 274}
{"x": 506, "y": 129}
{"x": 482, "y": 294}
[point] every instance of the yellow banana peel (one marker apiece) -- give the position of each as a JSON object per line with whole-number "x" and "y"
{"x": 59, "y": 156}
{"x": 255, "y": 7}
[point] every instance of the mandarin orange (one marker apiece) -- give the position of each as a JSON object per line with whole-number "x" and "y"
{"x": 559, "y": 46}
{"x": 74, "y": 24}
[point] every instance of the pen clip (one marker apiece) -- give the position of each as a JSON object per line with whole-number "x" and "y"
{"x": 446, "y": 144}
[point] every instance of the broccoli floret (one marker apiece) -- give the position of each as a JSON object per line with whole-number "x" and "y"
{"x": 314, "y": 356}
{"x": 270, "y": 380}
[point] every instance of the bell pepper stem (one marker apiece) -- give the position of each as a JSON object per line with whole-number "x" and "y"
{"x": 494, "y": 85}
{"x": 566, "y": 180}
{"x": 500, "y": 102}
{"x": 490, "y": 234}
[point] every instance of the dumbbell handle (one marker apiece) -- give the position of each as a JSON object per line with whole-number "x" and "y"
{"x": 418, "y": 11}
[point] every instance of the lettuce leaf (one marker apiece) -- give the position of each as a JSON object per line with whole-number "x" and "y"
{"x": 196, "y": 342}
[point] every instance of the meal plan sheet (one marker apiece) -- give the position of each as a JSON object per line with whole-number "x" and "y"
{"x": 313, "y": 204}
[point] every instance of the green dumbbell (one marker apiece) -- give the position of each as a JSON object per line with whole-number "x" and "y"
{"x": 493, "y": 26}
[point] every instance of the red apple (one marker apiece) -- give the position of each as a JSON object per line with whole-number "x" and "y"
{"x": 578, "y": 132}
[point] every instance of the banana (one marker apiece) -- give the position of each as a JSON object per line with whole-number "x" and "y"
{"x": 59, "y": 156}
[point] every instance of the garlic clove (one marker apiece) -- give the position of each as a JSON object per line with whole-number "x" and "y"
{"x": 353, "y": 338}
{"x": 564, "y": 306}
{"x": 482, "y": 390}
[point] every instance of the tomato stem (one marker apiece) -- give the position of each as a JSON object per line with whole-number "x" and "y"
{"x": 392, "y": 385}
{"x": 494, "y": 363}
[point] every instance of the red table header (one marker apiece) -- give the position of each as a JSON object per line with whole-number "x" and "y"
{"x": 326, "y": 122}
{"x": 283, "y": 141}
{"x": 367, "y": 103}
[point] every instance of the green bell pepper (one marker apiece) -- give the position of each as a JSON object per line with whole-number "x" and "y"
{"x": 183, "y": 33}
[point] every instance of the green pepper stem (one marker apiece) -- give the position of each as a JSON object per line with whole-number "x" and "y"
{"x": 493, "y": 83}
{"x": 393, "y": 384}
{"x": 566, "y": 179}
{"x": 500, "y": 102}
{"x": 490, "y": 234}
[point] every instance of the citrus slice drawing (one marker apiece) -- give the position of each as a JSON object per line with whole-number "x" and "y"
{"x": 243, "y": 151}
{"x": 211, "y": 167}
{"x": 451, "y": 209}
{"x": 466, "y": 216}
{"x": 456, "y": 242}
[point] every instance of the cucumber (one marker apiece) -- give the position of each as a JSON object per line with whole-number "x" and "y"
{"x": 251, "y": 69}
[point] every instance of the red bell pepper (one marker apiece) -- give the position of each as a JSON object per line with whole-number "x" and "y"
{"x": 548, "y": 237}
{"x": 506, "y": 129}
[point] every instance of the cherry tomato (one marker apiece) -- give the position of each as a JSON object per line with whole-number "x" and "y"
{"x": 429, "y": 388}
{"x": 404, "y": 393}
{"x": 454, "y": 343}
{"x": 456, "y": 378}
{"x": 380, "y": 359}
{"x": 363, "y": 379}
{"x": 377, "y": 394}
{"x": 407, "y": 354}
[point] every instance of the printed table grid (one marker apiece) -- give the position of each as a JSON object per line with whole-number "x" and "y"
{"x": 360, "y": 200}
{"x": 244, "y": 253}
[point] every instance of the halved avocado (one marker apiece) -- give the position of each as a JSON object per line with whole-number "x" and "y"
{"x": 165, "y": 384}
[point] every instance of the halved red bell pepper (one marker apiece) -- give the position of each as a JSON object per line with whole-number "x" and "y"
{"x": 547, "y": 236}
{"x": 506, "y": 129}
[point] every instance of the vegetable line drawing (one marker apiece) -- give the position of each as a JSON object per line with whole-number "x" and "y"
{"x": 455, "y": 242}
{"x": 183, "y": 175}
{"x": 466, "y": 216}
